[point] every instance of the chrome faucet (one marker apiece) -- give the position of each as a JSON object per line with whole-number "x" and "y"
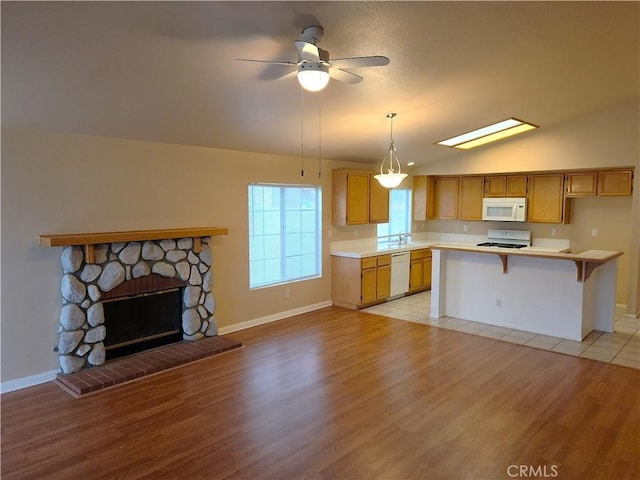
{"x": 402, "y": 238}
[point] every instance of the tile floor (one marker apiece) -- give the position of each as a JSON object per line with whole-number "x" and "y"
{"x": 621, "y": 347}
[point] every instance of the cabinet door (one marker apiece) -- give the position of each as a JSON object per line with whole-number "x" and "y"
{"x": 517, "y": 185}
{"x": 357, "y": 198}
{"x": 546, "y": 198}
{"x": 446, "y": 198}
{"x": 505, "y": 185}
{"x": 383, "y": 281}
{"x": 615, "y": 182}
{"x": 416, "y": 275}
{"x": 378, "y": 202}
{"x": 426, "y": 272}
{"x": 495, "y": 186}
{"x": 581, "y": 184}
{"x": 470, "y": 191}
{"x": 368, "y": 287}
{"x": 422, "y": 197}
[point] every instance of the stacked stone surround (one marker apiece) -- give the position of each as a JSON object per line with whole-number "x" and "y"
{"x": 81, "y": 331}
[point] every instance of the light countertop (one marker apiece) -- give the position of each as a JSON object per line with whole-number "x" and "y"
{"x": 594, "y": 256}
{"x": 369, "y": 248}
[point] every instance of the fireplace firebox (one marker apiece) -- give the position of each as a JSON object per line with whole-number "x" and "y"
{"x": 141, "y": 322}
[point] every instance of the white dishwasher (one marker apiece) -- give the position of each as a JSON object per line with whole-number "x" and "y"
{"x": 399, "y": 273}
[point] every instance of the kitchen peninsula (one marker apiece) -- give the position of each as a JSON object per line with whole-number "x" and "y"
{"x": 564, "y": 295}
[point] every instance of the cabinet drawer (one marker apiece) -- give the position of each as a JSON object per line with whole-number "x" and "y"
{"x": 384, "y": 260}
{"x": 369, "y": 262}
{"x": 422, "y": 253}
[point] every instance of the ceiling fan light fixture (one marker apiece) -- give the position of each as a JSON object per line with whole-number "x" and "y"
{"x": 392, "y": 178}
{"x": 488, "y": 134}
{"x": 313, "y": 76}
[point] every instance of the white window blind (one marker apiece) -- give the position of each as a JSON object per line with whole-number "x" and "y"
{"x": 284, "y": 233}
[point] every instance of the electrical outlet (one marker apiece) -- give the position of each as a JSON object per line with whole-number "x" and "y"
{"x": 465, "y": 228}
{"x": 287, "y": 293}
{"x": 594, "y": 232}
{"x": 355, "y": 232}
{"x": 554, "y": 232}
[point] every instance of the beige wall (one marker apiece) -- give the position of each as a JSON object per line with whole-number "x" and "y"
{"x": 65, "y": 183}
{"x": 58, "y": 183}
{"x": 610, "y": 138}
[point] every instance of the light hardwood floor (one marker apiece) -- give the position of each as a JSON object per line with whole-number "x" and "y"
{"x": 339, "y": 394}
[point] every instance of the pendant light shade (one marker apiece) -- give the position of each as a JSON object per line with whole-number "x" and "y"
{"x": 393, "y": 177}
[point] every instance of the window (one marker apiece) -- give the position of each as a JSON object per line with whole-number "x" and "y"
{"x": 399, "y": 213}
{"x": 284, "y": 233}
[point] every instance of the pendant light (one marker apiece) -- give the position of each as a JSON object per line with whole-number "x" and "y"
{"x": 391, "y": 179}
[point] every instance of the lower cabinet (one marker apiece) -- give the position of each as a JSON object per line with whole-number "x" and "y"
{"x": 420, "y": 270}
{"x": 360, "y": 282}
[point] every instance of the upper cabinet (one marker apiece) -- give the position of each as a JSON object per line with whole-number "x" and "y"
{"x": 603, "y": 182}
{"x": 549, "y": 193}
{"x": 615, "y": 182}
{"x": 506, "y": 185}
{"x": 435, "y": 198}
{"x": 357, "y": 198}
{"x": 446, "y": 198}
{"x": 581, "y": 184}
{"x": 423, "y": 198}
{"x": 378, "y": 201}
{"x": 547, "y": 203}
{"x": 470, "y": 192}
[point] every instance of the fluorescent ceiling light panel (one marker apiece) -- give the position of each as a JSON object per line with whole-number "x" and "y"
{"x": 488, "y": 134}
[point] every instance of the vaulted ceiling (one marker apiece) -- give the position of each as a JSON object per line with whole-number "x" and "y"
{"x": 166, "y": 71}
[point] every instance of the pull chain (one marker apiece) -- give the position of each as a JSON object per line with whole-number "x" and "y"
{"x": 301, "y": 131}
{"x": 319, "y": 136}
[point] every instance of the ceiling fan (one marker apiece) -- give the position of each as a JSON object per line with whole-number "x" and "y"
{"x": 315, "y": 67}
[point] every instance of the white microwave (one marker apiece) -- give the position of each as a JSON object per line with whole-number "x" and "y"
{"x": 504, "y": 209}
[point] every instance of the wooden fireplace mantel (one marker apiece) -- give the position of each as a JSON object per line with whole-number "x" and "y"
{"x": 88, "y": 240}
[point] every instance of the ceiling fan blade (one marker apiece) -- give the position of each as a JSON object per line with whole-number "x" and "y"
{"x": 266, "y": 61}
{"x": 308, "y": 51}
{"x": 354, "y": 62}
{"x": 344, "y": 76}
{"x": 289, "y": 75}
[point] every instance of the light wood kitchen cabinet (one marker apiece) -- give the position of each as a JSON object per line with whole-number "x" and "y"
{"x": 378, "y": 201}
{"x": 420, "y": 270}
{"x": 446, "y": 198}
{"x": 470, "y": 193}
{"x": 423, "y": 198}
{"x": 506, "y": 185}
{"x": 604, "y": 182}
{"x": 383, "y": 277}
{"x": 358, "y": 199}
{"x": 581, "y": 184}
{"x": 547, "y": 203}
{"x": 615, "y": 182}
{"x": 356, "y": 283}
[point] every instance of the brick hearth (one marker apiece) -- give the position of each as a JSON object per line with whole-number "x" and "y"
{"x": 152, "y": 361}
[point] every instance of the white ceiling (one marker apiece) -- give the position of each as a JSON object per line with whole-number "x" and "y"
{"x": 165, "y": 71}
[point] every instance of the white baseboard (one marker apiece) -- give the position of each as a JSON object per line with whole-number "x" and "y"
{"x": 274, "y": 317}
{"x": 30, "y": 381}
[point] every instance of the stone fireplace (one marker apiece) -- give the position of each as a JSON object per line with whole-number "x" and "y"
{"x": 91, "y": 277}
